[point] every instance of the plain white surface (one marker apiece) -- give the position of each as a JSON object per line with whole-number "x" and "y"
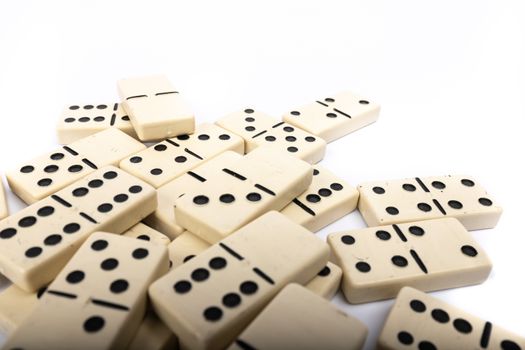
{"x": 449, "y": 75}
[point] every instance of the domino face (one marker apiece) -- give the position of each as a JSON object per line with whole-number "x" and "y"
{"x": 51, "y": 172}
{"x": 420, "y": 321}
{"x": 79, "y": 121}
{"x": 397, "y": 201}
{"x": 15, "y": 305}
{"x": 209, "y": 300}
{"x": 334, "y": 117}
{"x": 185, "y": 247}
{"x": 38, "y": 240}
{"x": 298, "y": 319}
{"x": 326, "y": 283}
{"x": 146, "y": 233}
{"x": 4, "y": 211}
{"x": 171, "y": 158}
{"x": 261, "y": 181}
{"x": 153, "y": 335}
{"x": 430, "y": 255}
{"x": 98, "y": 299}
{"x": 259, "y": 129}
{"x": 156, "y": 109}
{"x": 327, "y": 199}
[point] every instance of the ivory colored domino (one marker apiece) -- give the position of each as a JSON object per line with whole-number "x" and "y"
{"x": 430, "y": 255}
{"x": 79, "y": 121}
{"x": 334, "y": 117}
{"x": 45, "y": 175}
{"x": 420, "y": 321}
{"x": 155, "y": 107}
{"x": 98, "y": 300}
{"x": 185, "y": 247}
{"x": 210, "y": 299}
{"x": 171, "y": 158}
{"x": 458, "y": 196}
{"x": 327, "y": 199}
{"x": 258, "y": 129}
{"x": 263, "y": 180}
{"x": 163, "y": 219}
{"x": 39, "y": 240}
{"x": 153, "y": 335}
{"x": 15, "y": 305}
{"x": 327, "y": 282}
{"x": 146, "y": 233}
{"x": 299, "y": 319}
{"x": 4, "y": 212}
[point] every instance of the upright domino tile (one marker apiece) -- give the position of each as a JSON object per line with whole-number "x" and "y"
{"x": 153, "y": 335}
{"x": 327, "y": 282}
{"x": 4, "y": 211}
{"x": 334, "y": 117}
{"x": 155, "y": 107}
{"x": 209, "y": 300}
{"x": 258, "y": 129}
{"x": 171, "y": 158}
{"x": 98, "y": 300}
{"x": 163, "y": 219}
{"x": 43, "y": 176}
{"x": 327, "y": 199}
{"x": 185, "y": 247}
{"x": 420, "y": 321}
{"x": 298, "y": 319}
{"x": 79, "y": 121}
{"x": 15, "y": 305}
{"x": 263, "y": 180}
{"x": 430, "y": 255}
{"x": 38, "y": 240}
{"x": 146, "y": 233}
{"x": 397, "y": 201}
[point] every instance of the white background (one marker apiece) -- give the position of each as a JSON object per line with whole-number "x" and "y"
{"x": 449, "y": 76}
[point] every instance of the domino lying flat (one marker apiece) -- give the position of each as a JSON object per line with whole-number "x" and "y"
{"x": 153, "y": 335}
{"x": 258, "y": 129}
{"x": 209, "y": 300}
{"x": 334, "y": 117}
{"x": 392, "y": 202}
{"x": 298, "y": 319}
{"x": 171, "y": 158}
{"x": 38, "y": 240}
{"x": 327, "y": 199}
{"x": 51, "y": 172}
{"x": 430, "y": 255}
{"x": 146, "y": 233}
{"x": 326, "y": 283}
{"x": 98, "y": 300}
{"x": 156, "y": 109}
{"x": 263, "y": 180}
{"x": 420, "y": 321}
{"x": 77, "y": 122}
{"x": 3, "y": 202}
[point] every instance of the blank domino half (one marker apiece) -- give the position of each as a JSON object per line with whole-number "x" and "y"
{"x": 327, "y": 199}
{"x": 173, "y": 157}
{"x": 146, "y": 233}
{"x": 98, "y": 300}
{"x": 44, "y": 175}
{"x": 298, "y": 319}
{"x": 79, "y": 121}
{"x": 430, "y": 255}
{"x": 38, "y": 240}
{"x": 335, "y": 116}
{"x": 259, "y": 129}
{"x": 209, "y": 300}
{"x": 4, "y": 211}
{"x": 396, "y": 201}
{"x": 263, "y": 180}
{"x": 420, "y": 321}
{"x": 156, "y": 109}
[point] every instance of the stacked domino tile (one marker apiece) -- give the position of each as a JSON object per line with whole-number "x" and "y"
{"x": 204, "y": 240}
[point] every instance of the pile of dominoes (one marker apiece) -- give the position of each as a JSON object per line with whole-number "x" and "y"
{"x": 205, "y": 239}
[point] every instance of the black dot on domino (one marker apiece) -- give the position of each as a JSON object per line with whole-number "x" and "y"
{"x": 363, "y": 267}
{"x": 399, "y": 260}
{"x": 405, "y": 338}
{"x": 348, "y": 240}
{"x": 200, "y": 274}
{"x": 440, "y": 315}
{"x": 75, "y": 276}
{"x": 94, "y": 324}
{"x": 119, "y": 286}
{"x": 469, "y": 250}
{"x": 324, "y": 272}
{"x": 383, "y": 235}
{"x": 99, "y": 245}
{"x": 182, "y": 287}
{"x": 418, "y": 306}
{"x": 109, "y": 264}
{"x": 248, "y": 287}
{"x": 140, "y": 253}
{"x": 231, "y": 300}
{"x": 213, "y": 314}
